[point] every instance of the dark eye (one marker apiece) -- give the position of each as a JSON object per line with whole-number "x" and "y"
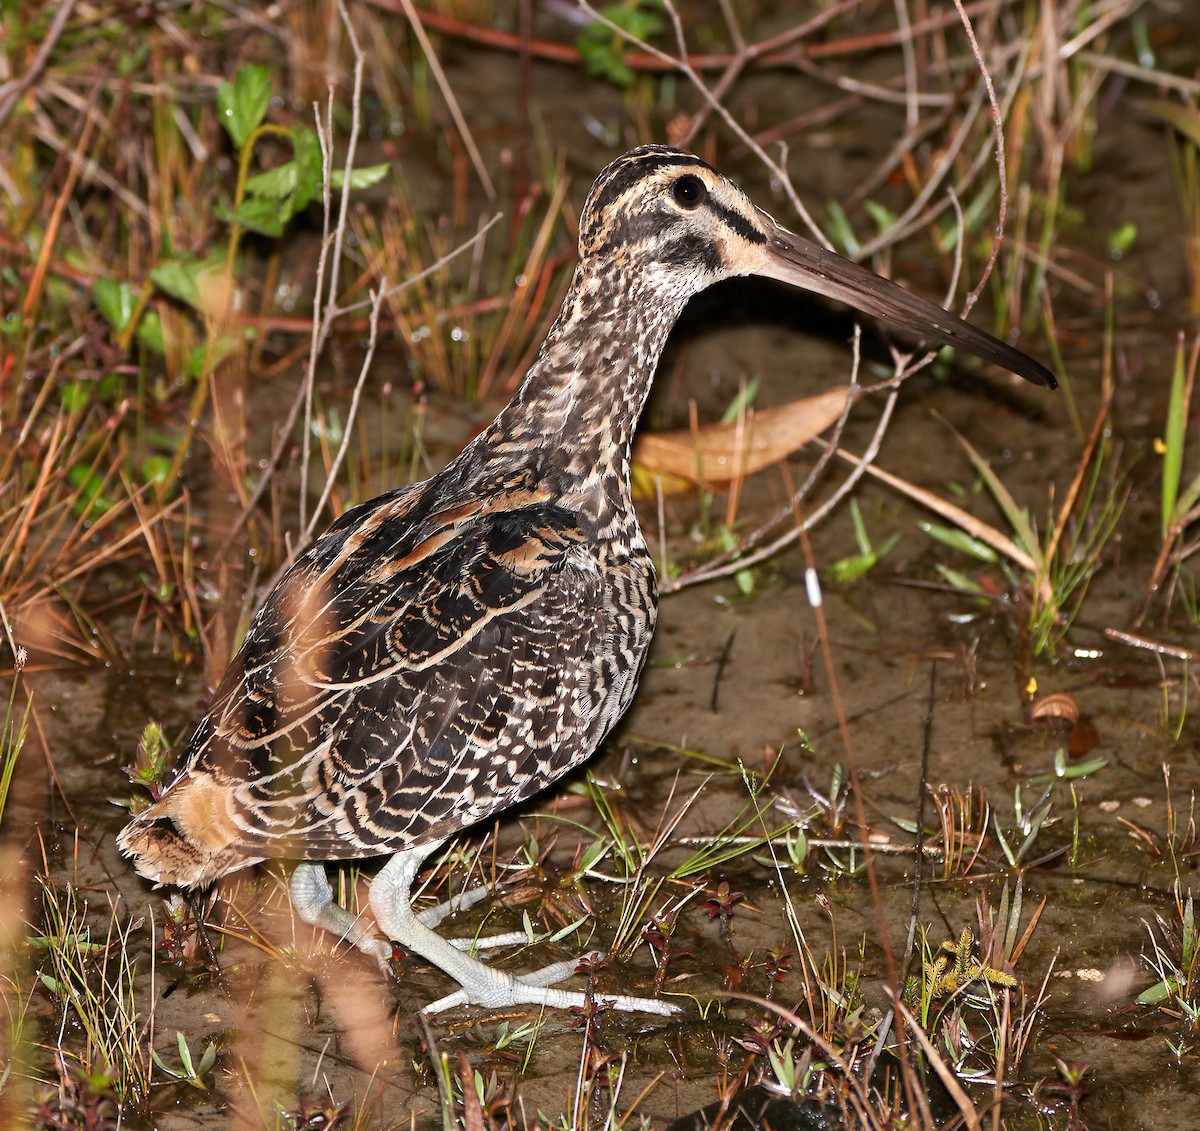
{"x": 688, "y": 191}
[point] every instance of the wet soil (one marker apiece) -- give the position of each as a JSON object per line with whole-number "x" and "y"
{"x": 936, "y": 689}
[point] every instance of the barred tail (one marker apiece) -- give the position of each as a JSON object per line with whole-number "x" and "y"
{"x": 187, "y": 838}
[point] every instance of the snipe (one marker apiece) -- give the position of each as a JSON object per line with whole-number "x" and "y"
{"x": 449, "y": 649}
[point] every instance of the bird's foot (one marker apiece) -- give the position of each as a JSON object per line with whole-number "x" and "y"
{"x": 481, "y": 985}
{"x": 497, "y": 989}
{"x": 432, "y": 916}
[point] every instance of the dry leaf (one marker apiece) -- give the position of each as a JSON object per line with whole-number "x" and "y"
{"x": 716, "y": 454}
{"x": 1083, "y": 740}
{"x": 1058, "y": 705}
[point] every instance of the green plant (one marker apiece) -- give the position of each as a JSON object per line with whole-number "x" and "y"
{"x": 1174, "y": 960}
{"x": 848, "y": 569}
{"x": 263, "y": 203}
{"x": 190, "y": 1071}
{"x": 12, "y": 734}
{"x": 94, "y": 986}
{"x": 1179, "y": 501}
{"x": 1059, "y": 564}
{"x": 746, "y": 833}
{"x": 149, "y": 769}
{"x": 603, "y": 46}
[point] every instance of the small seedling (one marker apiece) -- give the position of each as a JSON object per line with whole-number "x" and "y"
{"x": 149, "y": 768}
{"x": 955, "y": 968}
{"x": 1174, "y": 958}
{"x": 846, "y": 570}
{"x": 190, "y": 1072}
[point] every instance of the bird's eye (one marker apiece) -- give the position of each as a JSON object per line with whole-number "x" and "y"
{"x": 688, "y": 191}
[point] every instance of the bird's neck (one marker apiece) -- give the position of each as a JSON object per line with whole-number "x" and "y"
{"x": 580, "y": 402}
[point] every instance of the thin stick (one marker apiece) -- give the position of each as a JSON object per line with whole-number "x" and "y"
{"x": 286, "y": 431}
{"x": 1001, "y": 165}
{"x": 731, "y": 562}
{"x": 451, "y": 101}
{"x": 352, "y": 413}
{"x": 319, "y": 322}
{"x": 13, "y": 90}
{"x": 331, "y": 249}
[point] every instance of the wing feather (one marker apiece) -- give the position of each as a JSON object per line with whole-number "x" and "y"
{"x": 419, "y": 669}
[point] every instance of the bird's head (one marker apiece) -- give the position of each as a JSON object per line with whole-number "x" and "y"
{"x": 672, "y": 221}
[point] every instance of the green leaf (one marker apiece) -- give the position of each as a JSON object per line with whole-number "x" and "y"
{"x": 185, "y": 1054}
{"x": 74, "y": 396}
{"x": 221, "y": 349}
{"x": 742, "y": 402}
{"x": 155, "y": 469}
{"x": 133, "y": 62}
{"x": 90, "y": 497}
{"x": 851, "y": 568}
{"x": 743, "y": 577}
{"x": 603, "y": 50}
{"x": 1067, "y": 771}
{"x": 1122, "y": 239}
{"x": 959, "y": 580}
{"x": 207, "y": 1060}
{"x": 184, "y": 279}
{"x": 960, "y": 540}
{"x": 115, "y": 301}
{"x": 362, "y": 178}
{"x": 1018, "y": 519}
{"x": 274, "y": 197}
{"x": 1156, "y": 994}
{"x": 846, "y": 570}
{"x": 745, "y": 582}
{"x": 178, "y": 279}
{"x": 310, "y": 166}
{"x": 884, "y": 217}
{"x": 1174, "y": 441}
{"x": 840, "y": 228}
{"x": 854, "y": 566}
{"x": 861, "y": 537}
{"x": 150, "y": 333}
{"x": 299, "y": 176}
{"x": 1186, "y": 119}
{"x": 242, "y": 104}
{"x": 276, "y": 184}
{"x": 260, "y": 214}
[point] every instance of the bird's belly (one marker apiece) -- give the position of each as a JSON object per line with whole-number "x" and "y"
{"x": 632, "y": 609}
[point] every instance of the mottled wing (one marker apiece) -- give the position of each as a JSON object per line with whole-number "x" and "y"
{"x": 410, "y": 676}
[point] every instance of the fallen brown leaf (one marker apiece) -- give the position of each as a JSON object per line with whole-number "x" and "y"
{"x": 716, "y": 454}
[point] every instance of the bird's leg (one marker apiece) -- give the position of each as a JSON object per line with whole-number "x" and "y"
{"x": 312, "y": 897}
{"x": 481, "y": 985}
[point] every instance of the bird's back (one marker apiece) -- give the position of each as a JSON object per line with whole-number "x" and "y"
{"x": 438, "y": 655}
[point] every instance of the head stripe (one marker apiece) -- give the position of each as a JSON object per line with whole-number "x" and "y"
{"x": 736, "y": 221}
{"x": 635, "y": 165}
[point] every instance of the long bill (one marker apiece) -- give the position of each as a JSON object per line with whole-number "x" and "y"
{"x": 791, "y": 259}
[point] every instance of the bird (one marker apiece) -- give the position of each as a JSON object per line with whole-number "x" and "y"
{"x": 445, "y": 651}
